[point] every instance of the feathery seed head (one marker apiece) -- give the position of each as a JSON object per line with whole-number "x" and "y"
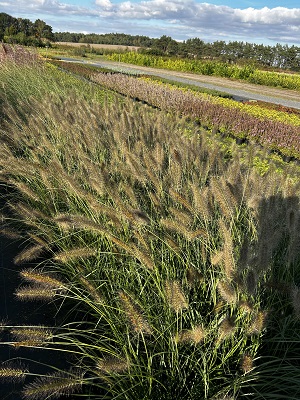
{"x": 197, "y": 334}
{"x": 134, "y": 314}
{"x": 142, "y": 240}
{"x": 112, "y": 365}
{"x": 181, "y": 200}
{"x": 33, "y": 334}
{"x": 35, "y": 292}
{"x": 64, "y": 221}
{"x": 223, "y": 197}
{"x": 181, "y": 217}
{"x": 175, "y": 296}
{"x": 172, "y": 244}
{"x": 73, "y": 254}
{"x": 155, "y": 200}
{"x": 228, "y": 251}
{"x": 182, "y": 337}
{"x": 258, "y": 323}
{"x": 28, "y": 343}
{"x": 226, "y": 328}
{"x": 227, "y": 292}
{"x": 201, "y": 201}
{"x": 25, "y": 190}
{"x": 27, "y": 212}
{"x": 142, "y": 256}
{"x": 192, "y": 235}
{"x": 246, "y": 363}
{"x": 54, "y": 385}
{"x": 29, "y": 254}
{"x": 39, "y": 277}
{"x": 10, "y": 234}
{"x": 217, "y": 258}
{"x": 245, "y": 307}
{"x": 12, "y": 373}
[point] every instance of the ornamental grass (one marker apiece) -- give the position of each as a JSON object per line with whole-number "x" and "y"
{"x": 175, "y": 271}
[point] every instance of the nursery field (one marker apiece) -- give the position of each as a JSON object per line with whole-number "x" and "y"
{"x": 247, "y": 73}
{"x": 168, "y": 253}
{"x": 114, "y": 47}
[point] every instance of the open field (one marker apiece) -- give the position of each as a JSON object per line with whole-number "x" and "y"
{"x": 114, "y": 47}
{"x": 167, "y": 253}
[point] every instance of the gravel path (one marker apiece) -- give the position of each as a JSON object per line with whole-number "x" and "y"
{"x": 238, "y": 89}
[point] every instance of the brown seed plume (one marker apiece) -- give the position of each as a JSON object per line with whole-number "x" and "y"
{"x": 134, "y": 314}
{"x": 226, "y": 329}
{"x": 11, "y": 373}
{"x": 38, "y": 276}
{"x": 195, "y": 335}
{"x": 228, "y": 251}
{"x": 73, "y": 254}
{"x": 258, "y": 323}
{"x": 29, "y": 254}
{"x": 227, "y": 292}
{"x": 175, "y": 296}
{"x": 246, "y": 363}
{"x": 58, "y": 384}
{"x": 112, "y": 365}
{"x": 35, "y": 293}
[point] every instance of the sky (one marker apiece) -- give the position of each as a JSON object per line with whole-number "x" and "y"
{"x": 258, "y": 21}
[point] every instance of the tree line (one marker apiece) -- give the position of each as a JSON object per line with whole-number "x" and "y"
{"x": 23, "y": 31}
{"x": 278, "y": 56}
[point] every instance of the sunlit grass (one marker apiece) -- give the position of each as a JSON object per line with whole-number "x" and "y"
{"x": 174, "y": 268}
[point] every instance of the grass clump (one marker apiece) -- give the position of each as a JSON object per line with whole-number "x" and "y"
{"x": 170, "y": 265}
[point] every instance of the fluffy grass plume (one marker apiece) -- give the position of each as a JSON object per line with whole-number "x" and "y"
{"x": 12, "y": 372}
{"x": 112, "y": 365}
{"x": 35, "y": 292}
{"x": 134, "y": 314}
{"x": 54, "y": 386}
{"x": 38, "y": 276}
{"x": 175, "y": 296}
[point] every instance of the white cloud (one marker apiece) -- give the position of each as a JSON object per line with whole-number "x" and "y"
{"x": 277, "y": 15}
{"x": 105, "y": 4}
{"x": 180, "y": 19}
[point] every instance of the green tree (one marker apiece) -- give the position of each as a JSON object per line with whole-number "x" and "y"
{"x": 42, "y": 30}
{"x": 5, "y": 22}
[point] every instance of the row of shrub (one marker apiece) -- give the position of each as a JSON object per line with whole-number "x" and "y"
{"x": 247, "y": 72}
{"x": 219, "y": 114}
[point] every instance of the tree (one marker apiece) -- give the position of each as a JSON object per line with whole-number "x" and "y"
{"x": 42, "y": 30}
{"x": 195, "y": 47}
{"x": 162, "y": 43}
{"x": 5, "y": 22}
